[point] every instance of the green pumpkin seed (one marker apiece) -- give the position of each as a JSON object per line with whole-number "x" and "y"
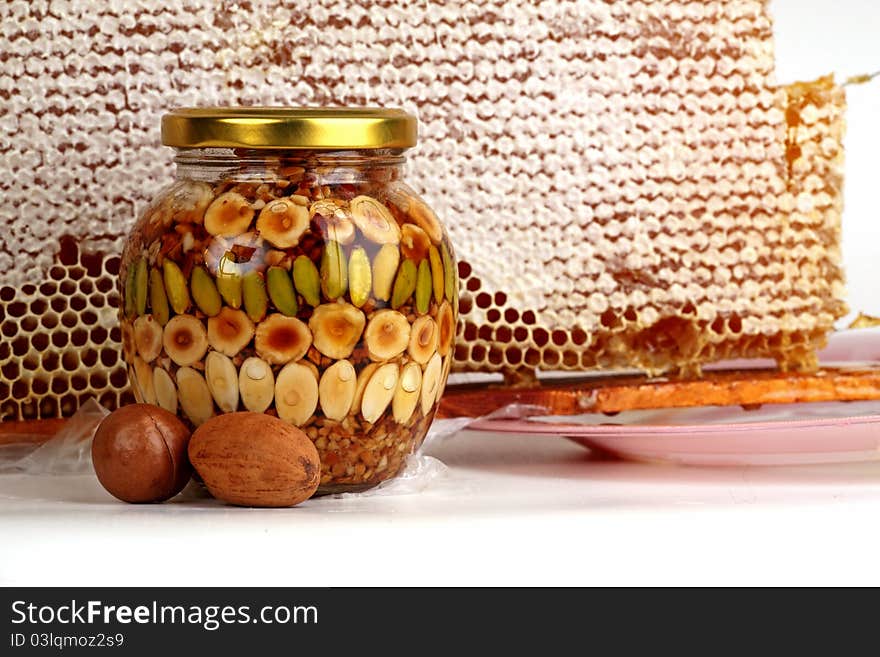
{"x": 423, "y": 287}
{"x": 175, "y": 286}
{"x": 229, "y": 281}
{"x": 334, "y": 271}
{"x": 436, "y": 273}
{"x": 404, "y": 284}
{"x": 307, "y": 280}
{"x": 360, "y": 277}
{"x": 256, "y": 301}
{"x": 204, "y": 292}
{"x": 141, "y": 282}
{"x": 158, "y": 300}
{"x": 281, "y": 291}
{"x": 385, "y": 266}
{"x": 129, "y": 305}
{"x": 450, "y": 276}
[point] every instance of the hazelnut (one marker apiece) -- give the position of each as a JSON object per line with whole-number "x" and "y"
{"x": 139, "y": 454}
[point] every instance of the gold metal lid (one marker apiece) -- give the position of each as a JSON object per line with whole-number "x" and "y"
{"x": 289, "y": 127}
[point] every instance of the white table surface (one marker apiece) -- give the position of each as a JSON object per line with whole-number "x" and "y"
{"x": 509, "y": 510}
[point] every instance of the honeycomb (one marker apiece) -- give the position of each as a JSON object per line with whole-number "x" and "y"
{"x": 709, "y": 281}
{"x": 61, "y": 343}
{"x": 625, "y": 183}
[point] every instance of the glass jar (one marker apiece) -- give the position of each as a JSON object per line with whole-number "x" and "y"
{"x": 289, "y": 270}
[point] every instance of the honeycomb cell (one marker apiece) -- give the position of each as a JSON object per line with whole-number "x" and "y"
{"x": 533, "y": 357}
{"x": 89, "y": 357}
{"x": 110, "y": 399}
{"x": 70, "y": 361}
{"x": 119, "y": 378}
{"x": 20, "y": 345}
{"x": 93, "y": 265}
{"x": 79, "y": 337}
{"x": 20, "y": 389}
{"x": 10, "y": 371}
{"x": 68, "y": 404}
{"x": 50, "y": 360}
{"x": 9, "y": 410}
{"x": 105, "y": 284}
{"x": 513, "y": 355}
{"x": 38, "y": 307}
{"x": 540, "y": 336}
{"x": 49, "y": 408}
{"x": 99, "y": 335}
{"x": 111, "y": 268}
{"x": 109, "y": 357}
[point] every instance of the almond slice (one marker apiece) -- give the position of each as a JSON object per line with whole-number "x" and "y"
{"x": 337, "y": 389}
{"x": 296, "y": 393}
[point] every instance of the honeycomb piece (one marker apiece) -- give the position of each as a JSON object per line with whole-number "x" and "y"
{"x": 61, "y": 343}
{"x": 624, "y": 183}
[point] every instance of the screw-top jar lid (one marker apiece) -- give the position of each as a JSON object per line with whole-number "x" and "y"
{"x": 289, "y": 127}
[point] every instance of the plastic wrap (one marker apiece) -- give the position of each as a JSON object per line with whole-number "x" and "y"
{"x": 69, "y": 453}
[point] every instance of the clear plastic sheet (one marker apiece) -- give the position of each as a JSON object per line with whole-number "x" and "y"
{"x": 69, "y": 453}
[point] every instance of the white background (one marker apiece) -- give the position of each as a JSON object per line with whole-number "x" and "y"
{"x": 513, "y": 509}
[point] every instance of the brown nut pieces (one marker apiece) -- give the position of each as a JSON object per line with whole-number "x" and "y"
{"x": 328, "y": 306}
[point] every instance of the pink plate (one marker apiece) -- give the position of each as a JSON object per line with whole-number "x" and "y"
{"x": 775, "y": 434}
